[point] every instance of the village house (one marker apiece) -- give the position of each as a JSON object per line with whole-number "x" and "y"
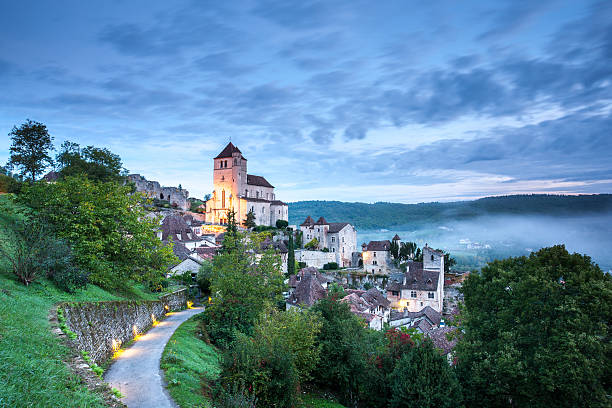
{"x": 280, "y": 248}
{"x": 340, "y": 238}
{"x": 421, "y": 285}
{"x": 376, "y": 257}
{"x": 236, "y": 190}
{"x": 187, "y": 261}
{"x": 294, "y": 280}
{"x": 308, "y": 289}
{"x": 369, "y": 304}
{"x": 175, "y": 228}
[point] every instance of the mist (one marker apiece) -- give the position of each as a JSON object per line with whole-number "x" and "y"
{"x": 479, "y": 240}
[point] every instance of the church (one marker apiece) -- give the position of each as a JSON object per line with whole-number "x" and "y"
{"x": 235, "y": 189}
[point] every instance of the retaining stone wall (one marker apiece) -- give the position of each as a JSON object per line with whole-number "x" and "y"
{"x": 102, "y": 327}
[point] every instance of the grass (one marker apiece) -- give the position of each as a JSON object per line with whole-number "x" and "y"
{"x": 188, "y": 363}
{"x": 312, "y": 401}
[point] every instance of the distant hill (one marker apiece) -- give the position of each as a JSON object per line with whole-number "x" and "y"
{"x": 388, "y": 215}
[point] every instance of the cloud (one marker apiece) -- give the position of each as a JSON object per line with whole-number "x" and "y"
{"x": 516, "y": 15}
{"x": 221, "y": 64}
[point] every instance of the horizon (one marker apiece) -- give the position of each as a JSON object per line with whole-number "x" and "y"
{"x": 358, "y": 102}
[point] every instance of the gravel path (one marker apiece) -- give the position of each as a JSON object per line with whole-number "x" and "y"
{"x": 136, "y": 371}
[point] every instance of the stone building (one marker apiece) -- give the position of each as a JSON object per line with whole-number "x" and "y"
{"x": 175, "y": 228}
{"x": 242, "y": 192}
{"x": 422, "y": 285}
{"x": 339, "y": 237}
{"x": 376, "y": 257}
{"x": 175, "y": 196}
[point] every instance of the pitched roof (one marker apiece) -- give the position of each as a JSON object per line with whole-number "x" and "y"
{"x": 321, "y": 221}
{"x": 372, "y": 297}
{"x": 307, "y": 291}
{"x": 295, "y": 279}
{"x": 396, "y": 238}
{"x": 277, "y": 202}
{"x": 206, "y": 252}
{"x": 416, "y": 279}
{"x": 307, "y": 222}
{"x": 337, "y": 226}
{"x": 278, "y": 246}
{"x": 440, "y": 340}
{"x": 427, "y": 312}
{"x": 228, "y": 151}
{"x": 379, "y": 245}
{"x": 180, "y": 250}
{"x": 176, "y": 227}
{"x": 258, "y": 181}
{"x": 51, "y": 176}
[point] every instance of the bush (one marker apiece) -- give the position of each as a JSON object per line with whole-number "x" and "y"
{"x": 61, "y": 268}
{"x": 204, "y": 275}
{"x": 312, "y": 245}
{"x": 264, "y": 367}
{"x": 282, "y": 224}
{"x": 330, "y": 265}
{"x": 264, "y": 228}
{"x": 301, "y": 265}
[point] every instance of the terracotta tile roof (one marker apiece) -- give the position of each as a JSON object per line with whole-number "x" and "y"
{"x": 416, "y": 279}
{"x": 307, "y": 291}
{"x": 228, "y": 151}
{"x": 258, "y": 181}
{"x": 379, "y": 245}
{"x": 307, "y": 222}
{"x": 176, "y": 227}
{"x": 335, "y": 227}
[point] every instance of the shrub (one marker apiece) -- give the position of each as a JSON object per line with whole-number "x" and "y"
{"x": 301, "y": 265}
{"x": 235, "y": 396}
{"x": 204, "y": 275}
{"x": 312, "y": 245}
{"x": 282, "y": 224}
{"x": 330, "y": 265}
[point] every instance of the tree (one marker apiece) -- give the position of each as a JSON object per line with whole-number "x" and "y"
{"x": 395, "y": 250}
{"x": 312, "y": 245}
{"x": 291, "y": 256}
{"x": 249, "y": 222}
{"x": 107, "y": 228}
{"x": 537, "y": 332}
{"x": 204, "y": 276}
{"x": 95, "y": 163}
{"x": 407, "y": 250}
{"x": 245, "y": 283}
{"x": 282, "y": 224}
{"x": 29, "y": 151}
{"x": 423, "y": 378}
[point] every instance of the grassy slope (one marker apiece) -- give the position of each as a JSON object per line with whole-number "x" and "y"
{"x": 32, "y": 373}
{"x": 189, "y": 362}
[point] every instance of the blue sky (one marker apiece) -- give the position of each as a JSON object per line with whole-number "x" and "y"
{"x": 403, "y": 101}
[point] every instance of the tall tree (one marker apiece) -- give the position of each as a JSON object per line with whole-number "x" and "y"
{"x": 537, "y": 333}
{"x": 31, "y": 144}
{"x": 96, "y": 163}
{"x": 249, "y": 222}
{"x": 291, "y": 256}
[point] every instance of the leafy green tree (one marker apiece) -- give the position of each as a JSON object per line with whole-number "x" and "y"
{"x": 407, "y": 250}
{"x": 395, "y": 250}
{"x": 299, "y": 235}
{"x": 204, "y": 276}
{"x": 312, "y": 245}
{"x": 107, "y": 228}
{"x": 249, "y": 222}
{"x": 423, "y": 378}
{"x": 29, "y": 151}
{"x": 299, "y": 329}
{"x": 537, "y": 332}
{"x": 282, "y": 224}
{"x": 96, "y": 163}
{"x": 291, "y": 256}
{"x": 245, "y": 283}
{"x": 266, "y": 367}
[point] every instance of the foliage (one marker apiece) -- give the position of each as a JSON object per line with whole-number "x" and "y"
{"x": 299, "y": 330}
{"x": 325, "y": 249}
{"x": 282, "y": 224}
{"x": 194, "y": 204}
{"x": 245, "y": 283}
{"x": 537, "y": 332}
{"x": 204, "y": 276}
{"x": 408, "y": 250}
{"x": 412, "y": 216}
{"x": 189, "y": 364}
{"x": 344, "y": 344}
{"x": 106, "y": 227}
{"x": 335, "y": 290}
{"x": 423, "y": 378}
{"x": 368, "y": 286}
{"x": 29, "y": 151}
{"x": 299, "y": 239}
{"x": 235, "y": 396}
{"x": 264, "y": 228}
{"x": 266, "y": 368}
{"x": 312, "y": 245}
{"x": 96, "y": 163}
{"x": 9, "y": 184}
{"x": 394, "y": 250}
{"x": 249, "y": 222}
{"x": 330, "y": 265}
{"x": 291, "y": 256}
{"x": 449, "y": 262}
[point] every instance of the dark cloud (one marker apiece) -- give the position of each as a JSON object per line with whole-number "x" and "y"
{"x": 355, "y": 131}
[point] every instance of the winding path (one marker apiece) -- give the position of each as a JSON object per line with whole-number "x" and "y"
{"x": 136, "y": 371}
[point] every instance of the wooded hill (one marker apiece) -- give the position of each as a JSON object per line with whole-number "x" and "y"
{"x": 387, "y": 215}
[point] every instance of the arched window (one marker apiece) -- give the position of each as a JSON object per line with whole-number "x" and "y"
{"x": 161, "y": 196}
{"x": 432, "y": 257}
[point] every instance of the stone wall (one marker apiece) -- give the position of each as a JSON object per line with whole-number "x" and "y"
{"x": 102, "y": 327}
{"x": 153, "y": 189}
{"x": 314, "y": 258}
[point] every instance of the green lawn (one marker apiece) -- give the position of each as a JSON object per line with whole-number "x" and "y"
{"x": 188, "y": 363}
{"x": 311, "y": 401}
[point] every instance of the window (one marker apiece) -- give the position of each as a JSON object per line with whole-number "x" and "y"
{"x": 374, "y": 263}
{"x": 413, "y": 294}
{"x": 222, "y": 178}
{"x": 394, "y": 293}
{"x": 342, "y": 239}
{"x": 432, "y": 257}
{"x": 225, "y": 164}
{"x": 333, "y": 249}
{"x": 430, "y": 295}
{"x": 246, "y": 193}
{"x": 235, "y": 161}
{"x": 223, "y": 199}
{"x": 278, "y": 212}
{"x": 374, "y": 254}
{"x": 333, "y": 239}
{"x": 421, "y": 303}
{"x": 257, "y": 194}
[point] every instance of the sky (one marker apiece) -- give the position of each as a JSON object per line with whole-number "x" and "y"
{"x": 400, "y": 101}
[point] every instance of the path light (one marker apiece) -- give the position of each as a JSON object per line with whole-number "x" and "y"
{"x": 153, "y": 320}
{"x": 189, "y": 304}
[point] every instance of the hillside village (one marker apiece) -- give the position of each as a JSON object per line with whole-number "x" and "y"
{"x": 377, "y": 285}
